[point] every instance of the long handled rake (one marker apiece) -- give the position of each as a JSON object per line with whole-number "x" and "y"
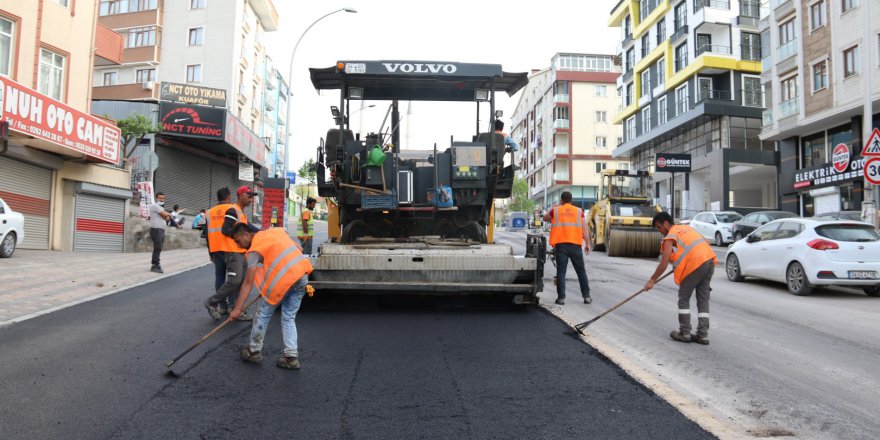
{"x": 580, "y": 327}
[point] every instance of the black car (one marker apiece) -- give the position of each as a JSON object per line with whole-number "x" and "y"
{"x": 754, "y": 220}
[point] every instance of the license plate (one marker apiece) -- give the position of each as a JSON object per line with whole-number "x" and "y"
{"x": 862, "y": 274}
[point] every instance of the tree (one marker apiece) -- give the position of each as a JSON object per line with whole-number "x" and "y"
{"x": 520, "y": 195}
{"x": 134, "y": 129}
{"x": 307, "y": 171}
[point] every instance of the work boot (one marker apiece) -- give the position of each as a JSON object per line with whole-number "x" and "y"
{"x": 681, "y": 337}
{"x": 213, "y": 309}
{"x": 703, "y": 340}
{"x": 289, "y": 363}
{"x": 588, "y": 299}
{"x": 560, "y": 301}
{"x": 156, "y": 268}
{"x": 246, "y": 355}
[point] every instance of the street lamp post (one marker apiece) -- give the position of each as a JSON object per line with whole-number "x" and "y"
{"x": 290, "y": 84}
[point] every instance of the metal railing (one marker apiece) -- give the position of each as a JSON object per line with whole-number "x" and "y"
{"x": 713, "y": 48}
{"x": 680, "y": 31}
{"x": 560, "y": 97}
{"x": 713, "y": 95}
{"x": 750, "y": 52}
{"x": 628, "y": 75}
{"x": 753, "y": 99}
{"x": 680, "y": 62}
{"x": 717, "y": 4}
{"x": 788, "y": 108}
{"x": 786, "y": 50}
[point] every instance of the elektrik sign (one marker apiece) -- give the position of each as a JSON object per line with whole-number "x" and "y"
{"x": 672, "y": 163}
{"x": 842, "y": 168}
{"x": 192, "y": 120}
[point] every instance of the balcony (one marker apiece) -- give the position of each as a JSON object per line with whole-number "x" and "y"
{"x": 767, "y": 117}
{"x": 786, "y": 50}
{"x": 133, "y": 91}
{"x": 714, "y": 95}
{"x": 271, "y": 102}
{"x": 753, "y": 99}
{"x": 628, "y": 76}
{"x": 626, "y": 42}
{"x": 560, "y": 149}
{"x": 561, "y": 98}
{"x": 681, "y": 62}
{"x": 713, "y": 49}
{"x": 716, "y": 4}
{"x": 561, "y": 124}
{"x": 782, "y": 8}
{"x": 243, "y": 62}
{"x": 750, "y": 52}
{"x": 560, "y": 176}
{"x": 680, "y": 32}
{"x": 788, "y": 108}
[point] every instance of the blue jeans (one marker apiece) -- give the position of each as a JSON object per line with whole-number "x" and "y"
{"x": 289, "y": 306}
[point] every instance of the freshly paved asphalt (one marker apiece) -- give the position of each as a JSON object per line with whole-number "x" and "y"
{"x": 96, "y": 370}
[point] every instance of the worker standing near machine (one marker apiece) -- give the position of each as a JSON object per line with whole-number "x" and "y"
{"x": 568, "y": 229}
{"x": 694, "y": 262}
{"x": 279, "y": 271}
{"x": 305, "y": 228}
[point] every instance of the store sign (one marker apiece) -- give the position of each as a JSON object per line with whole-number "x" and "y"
{"x": 192, "y": 120}
{"x": 246, "y": 171}
{"x": 840, "y": 158}
{"x": 190, "y": 94}
{"x": 672, "y": 163}
{"x": 244, "y": 140}
{"x": 829, "y": 173}
{"x": 145, "y": 196}
{"x": 54, "y": 123}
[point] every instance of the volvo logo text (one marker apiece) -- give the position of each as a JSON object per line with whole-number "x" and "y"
{"x": 420, "y": 68}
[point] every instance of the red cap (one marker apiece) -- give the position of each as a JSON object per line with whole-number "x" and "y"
{"x": 245, "y": 190}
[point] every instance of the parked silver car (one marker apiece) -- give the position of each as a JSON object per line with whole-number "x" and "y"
{"x": 11, "y": 230}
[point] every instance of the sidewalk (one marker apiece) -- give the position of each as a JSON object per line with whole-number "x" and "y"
{"x": 37, "y": 282}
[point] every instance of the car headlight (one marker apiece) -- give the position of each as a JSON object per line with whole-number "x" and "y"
{"x": 726, "y": 228}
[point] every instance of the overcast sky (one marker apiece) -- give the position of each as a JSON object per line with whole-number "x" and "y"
{"x": 519, "y": 35}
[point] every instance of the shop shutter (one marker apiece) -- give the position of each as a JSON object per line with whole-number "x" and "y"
{"x": 28, "y": 190}
{"x": 185, "y": 179}
{"x": 826, "y": 203}
{"x": 223, "y": 175}
{"x": 99, "y": 224}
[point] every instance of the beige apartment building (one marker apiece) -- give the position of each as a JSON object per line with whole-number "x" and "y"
{"x": 59, "y": 165}
{"x": 814, "y": 72}
{"x": 563, "y": 125}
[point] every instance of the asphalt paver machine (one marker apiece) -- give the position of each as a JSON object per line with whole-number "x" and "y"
{"x": 412, "y": 220}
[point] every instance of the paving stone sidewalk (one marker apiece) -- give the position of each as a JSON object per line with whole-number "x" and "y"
{"x": 34, "y": 282}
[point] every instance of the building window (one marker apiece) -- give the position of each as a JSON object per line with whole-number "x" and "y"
{"x": 681, "y": 56}
{"x": 787, "y": 32}
{"x": 601, "y": 116}
{"x": 196, "y": 36}
{"x": 646, "y": 82}
{"x": 600, "y": 90}
{"x": 789, "y": 88}
{"x": 6, "y": 46}
{"x": 817, "y": 15}
{"x": 627, "y": 26}
{"x": 850, "y": 61}
{"x": 751, "y": 46}
{"x": 629, "y": 94}
{"x": 600, "y": 166}
{"x": 681, "y": 100}
{"x": 113, "y": 7}
{"x": 194, "y": 73}
{"x": 820, "y": 75}
{"x": 753, "y": 95}
{"x": 661, "y": 111}
{"x": 631, "y": 128}
{"x": 646, "y": 45}
{"x": 619, "y": 140}
{"x": 813, "y": 150}
{"x": 661, "y": 71}
{"x": 750, "y": 8}
{"x": 646, "y": 119}
{"x": 145, "y": 75}
{"x": 622, "y": 165}
{"x": 661, "y": 31}
{"x": 630, "y": 59}
{"x": 846, "y": 5}
{"x": 142, "y": 36}
{"x": 110, "y": 78}
{"x": 197, "y": 4}
{"x": 51, "y": 80}
{"x": 680, "y": 16}
{"x": 601, "y": 142}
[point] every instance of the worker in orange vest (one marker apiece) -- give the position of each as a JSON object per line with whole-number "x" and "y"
{"x": 227, "y": 256}
{"x": 568, "y": 230}
{"x": 278, "y": 270}
{"x": 694, "y": 262}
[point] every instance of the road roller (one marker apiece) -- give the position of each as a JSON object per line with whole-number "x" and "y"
{"x": 620, "y": 221}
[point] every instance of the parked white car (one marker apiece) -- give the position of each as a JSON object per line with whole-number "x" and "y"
{"x": 11, "y": 230}
{"x": 803, "y": 253}
{"x": 715, "y": 226}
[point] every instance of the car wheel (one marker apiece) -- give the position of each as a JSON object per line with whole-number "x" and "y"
{"x": 733, "y": 270}
{"x": 737, "y": 237}
{"x": 872, "y": 291}
{"x": 796, "y": 279}
{"x": 8, "y": 245}
{"x": 718, "y": 240}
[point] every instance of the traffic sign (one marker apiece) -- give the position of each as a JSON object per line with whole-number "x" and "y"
{"x": 872, "y": 170}
{"x": 291, "y": 176}
{"x": 872, "y": 147}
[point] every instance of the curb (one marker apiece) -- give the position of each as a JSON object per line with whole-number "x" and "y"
{"x": 93, "y": 297}
{"x": 685, "y": 406}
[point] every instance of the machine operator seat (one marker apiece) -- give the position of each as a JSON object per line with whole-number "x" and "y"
{"x": 499, "y": 144}
{"x": 331, "y": 142}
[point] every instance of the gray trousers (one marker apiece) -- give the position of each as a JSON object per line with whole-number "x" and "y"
{"x": 698, "y": 280}
{"x": 234, "y": 277}
{"x": 157, "y": 235}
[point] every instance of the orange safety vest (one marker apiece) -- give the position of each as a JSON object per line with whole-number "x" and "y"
{"x": 283, "y": 264}
{"x": 217, "y": 242}
{"x": 567, "y": 225}
{"x": 690, "y": 251}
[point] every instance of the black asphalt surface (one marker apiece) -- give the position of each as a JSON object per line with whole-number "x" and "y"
{"x": 96, "y": 370}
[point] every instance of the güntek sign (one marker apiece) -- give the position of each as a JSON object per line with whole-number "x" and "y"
{"x": 55, "y": 124}
{"x": 672, "y": 163}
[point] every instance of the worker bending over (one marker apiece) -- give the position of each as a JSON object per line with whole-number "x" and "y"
{"x": 694, "y": 263}
{"x": 278, "y": 270}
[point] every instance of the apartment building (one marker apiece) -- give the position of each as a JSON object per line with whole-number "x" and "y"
{"x": 563, "y": 124}
{"x": 817, "y": 58}
{"x": 691, "y": 85}
{"x": 177, "y": 51}
{"x": 59, "y": 164}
